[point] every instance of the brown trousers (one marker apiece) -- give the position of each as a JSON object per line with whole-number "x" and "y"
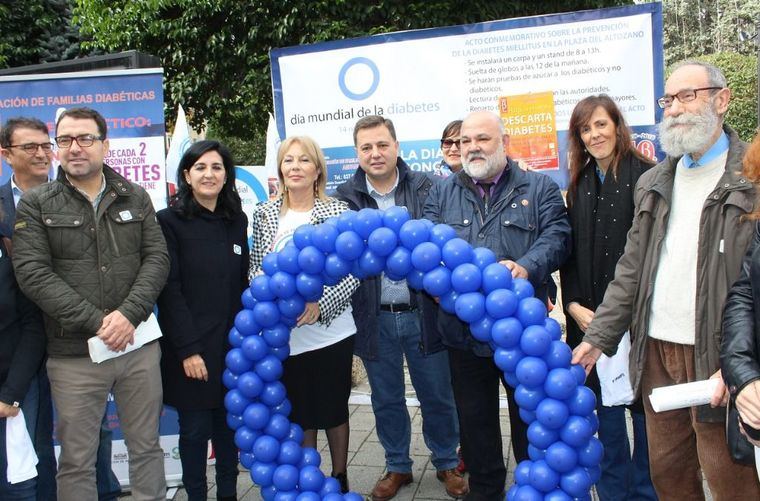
{"x": 681, "y": 448}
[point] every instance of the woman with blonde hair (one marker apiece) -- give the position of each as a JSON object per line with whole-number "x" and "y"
{"x": 317, "y": 375}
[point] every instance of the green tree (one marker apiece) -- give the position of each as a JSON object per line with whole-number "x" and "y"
{"x": 215, "y": 53}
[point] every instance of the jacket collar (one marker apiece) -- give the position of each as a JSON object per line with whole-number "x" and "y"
{"x": 513, "y": 179}
{"x": 358, "y": 181}
{"x": 114, "y": 181}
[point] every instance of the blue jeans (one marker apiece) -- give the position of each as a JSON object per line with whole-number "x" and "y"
{"x": 399, "y": 337}
{"x": 623, "y": 477}
{"x": 196, "y": 428}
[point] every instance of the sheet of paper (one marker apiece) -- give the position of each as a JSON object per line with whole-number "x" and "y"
{"x": 680, "y": 396}
{"x": 144, "y": 333}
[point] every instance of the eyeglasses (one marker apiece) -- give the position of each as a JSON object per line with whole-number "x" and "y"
{"x": 31, "y": 148}
{"x": 448, "y": 143}
{"x": 85, "y": 140}
{"x": 685, "y": 96}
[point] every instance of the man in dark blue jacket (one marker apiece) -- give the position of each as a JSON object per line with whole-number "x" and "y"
{"x": 390, "y": 319}
{"x": 521, "y": 217}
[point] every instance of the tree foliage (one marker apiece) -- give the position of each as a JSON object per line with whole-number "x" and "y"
{"x": 215, "y": 53}
{"x": 741, "y": 73}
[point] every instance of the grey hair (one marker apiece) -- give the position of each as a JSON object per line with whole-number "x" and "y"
{"x": 715, "y": 76}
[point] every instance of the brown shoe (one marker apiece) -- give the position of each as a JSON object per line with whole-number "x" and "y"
{"x": 456, "y": 485}
{"x": 388, "y": 486}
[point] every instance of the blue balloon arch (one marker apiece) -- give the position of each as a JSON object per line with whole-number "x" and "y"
{"x": 559, "y": 410}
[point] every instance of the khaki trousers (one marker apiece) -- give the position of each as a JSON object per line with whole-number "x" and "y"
{"x": 80, "y": 388}
{"x": 681, "y": 448}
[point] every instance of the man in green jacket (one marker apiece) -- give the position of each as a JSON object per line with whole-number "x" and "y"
{"x": 682, "y": 254}
{"x": 89, "y": 252}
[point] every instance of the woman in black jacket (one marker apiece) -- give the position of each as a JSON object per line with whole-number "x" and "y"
{"x": 604, "y": 168}
{"x": 205, "y": 230}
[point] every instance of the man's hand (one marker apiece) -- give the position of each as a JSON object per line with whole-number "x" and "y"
{"x": 517, "y": 270}
{"x": 309, "y": 315}
{"x": 195, "y": 368}
{"x": 748, "y": 404}
{"x": 7, "y": 410}
{"x": 586, "y": 355}
{"x": 582, "y": 315}
{"x": 116, "y": 331}
{"x": 720, "y": 397}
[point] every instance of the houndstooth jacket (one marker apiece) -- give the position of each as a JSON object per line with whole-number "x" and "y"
{"x": 266, "y": 220}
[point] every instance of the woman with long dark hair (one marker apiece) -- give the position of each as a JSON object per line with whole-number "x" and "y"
{"x": 205, "y": 230}
{"x": 604, "y": 168}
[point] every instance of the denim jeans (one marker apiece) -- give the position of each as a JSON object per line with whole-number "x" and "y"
{"x": 623, "y": 477}
{"x": 22, "y": 491}
{"x": 196, "y": 428}
{"x": 399, "y": 337}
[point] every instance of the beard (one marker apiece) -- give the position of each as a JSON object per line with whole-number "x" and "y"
{"x": 688, "y": 132}
{"x": 494, "y": 163}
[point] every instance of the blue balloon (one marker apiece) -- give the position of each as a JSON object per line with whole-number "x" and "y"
{"x": 234, "y": 421}
{"x": 357, "y": 272}
{"x": 235, "y": 338}
{"x": 522, "y": 472}
{"x": 522, "y": 287}
{"x": 437, "y": 281}
{"x": 287, "y": 259}
{"x": 229, "y": 379}
{"x": 394, "y": 218}
{"x": 245, "y": 323}
{"x": 352, "y": 496}
{"x": 442, "y": 233}
{"x": 496, "y": 276}
{"x": 283, "y": 408}
{"x": 266, "y": 448}
{"x": 543, "y": 477}
{"x": 399, "y": 262}
{"x": 237, "y": 362}
{"x": 579, "y": 372}
{"x": 279, "y": 335}
{"x": 558, "y": 355}
{"x": 465, "y": 278}
{"x": 285, "y": 477}
{"x": 331, "y": 485}
{"x": 309, "y": 286}
{"x": 291, "y": 495}
{"x": 308, "y": 496}
{"x": 535, "y": 454}
{"x": 247, "y": 299}
{"x": 260, "y": 287}
{"x": 552, "y": 413}
{"x": 448, "y": 301}
{"x": 594, "y": 420}
{"x": 576, "y": 482}
{"x": 583, "y": 401}
{"x": 413, "y": 233}
{"x": 426, "y": 256}
{"x": 336, "y": 266}
{"x": 311, "y": 260}
{"x": 370, "y": 263}
{"x": 541, "y": 436}
{"x": 557, "y": 495}
{"x": 507, "y": 359}
{"x": 311, "y": 457}
{"x": 506, "y": 332}
{"x": 366, "y": 221}
{"x": 281, "y": 352}
{"x": 269, "y": 368}
{"x": 382, "y": 241}
{"x": 481, "y": 329}
{"x": 244, "y": 438}
{"x": 553, "y": 327}
{"x": 561, "y": 457}
{"x": 266, "y": 314}
{"x": 310, "y": 478}
{"x": 278, "y": 426}
{"x": 349, "y": 245}
{"x": 532, "y": 311}
{"x": 469, "y": 307}
{"x": 246, "y": 459}
{"x": 591, "y": 453}
{"x": 535, "y": 341}
{"x": 531, "y": 371}
{"x": 512, "y": 381}
{"x": 262, "y": 472}
{"x": 576, "y": 432}
{"x": 302, "y": 236}
{"x": 346, "y": 220}
{"x": 527, "y": 418}
{"x": 236, "y": 402}
{"x": 528, "y": 493}
{"x": 457, "y": 252}
{"x": 269, "y": 264}
{"x": 282, "y": 285}
{"x": 482, "y": 257}
{"x": 256, "y": 416}
{"x": 250, "y": 385}
{"x": 501, "y": 303}
{"x": 529, "y": 398}
{"x": 560, "y": 383}
{"x": 254, "y": 348}
{"x": 296, "y": 433}
{"x": 324, "y": 237}
{"x": 290, "y": 452}
{"x": 415, "y": 279}
{"x": 273, "y": 393}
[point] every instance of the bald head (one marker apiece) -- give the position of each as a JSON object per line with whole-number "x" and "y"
{"x": 484, "y": 145}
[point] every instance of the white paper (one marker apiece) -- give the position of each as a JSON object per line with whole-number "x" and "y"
{"x": 22, "y": 460}
{"x": 614, "y": 377}
{"x": 757, "y": 461}
{"x": 680, "y": 396}
{"x": 144, "y": 333}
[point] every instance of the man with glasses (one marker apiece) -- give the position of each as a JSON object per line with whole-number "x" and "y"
{"x": 89, "y": 252}
{"x": 683, "y": 252}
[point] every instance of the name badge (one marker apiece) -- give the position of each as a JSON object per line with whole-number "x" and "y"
{"x": 125, "y": 215}
{"x": 237, "y": 249}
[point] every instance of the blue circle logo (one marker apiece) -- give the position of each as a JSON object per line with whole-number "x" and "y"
{"x": 358, "y": 96}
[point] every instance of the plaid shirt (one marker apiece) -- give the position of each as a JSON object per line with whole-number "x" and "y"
{"x": 265, "y": 221}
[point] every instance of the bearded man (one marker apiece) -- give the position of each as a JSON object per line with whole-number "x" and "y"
{"x": 521, "y": 217}
{"x": 683, "y": 253}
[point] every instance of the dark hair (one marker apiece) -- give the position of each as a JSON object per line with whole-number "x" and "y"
{"x": 451, "y": 129}
{"x": 84, "y": 113}
{"x": 228, "y": 200}
{"x": 10, "y": 126}
{"x": 577, "y": 154}
{"x": 372, "y": 121}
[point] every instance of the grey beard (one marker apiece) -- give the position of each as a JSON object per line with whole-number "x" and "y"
{"x": 493, "y": 165}
{"x": 694, "y": 138}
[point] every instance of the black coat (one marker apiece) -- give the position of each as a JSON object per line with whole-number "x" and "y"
{"x": 197, "y": 308}
{"x": 600, "y": 216}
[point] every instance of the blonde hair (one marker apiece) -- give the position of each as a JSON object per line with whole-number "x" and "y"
{"x": 312, "y": 150}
